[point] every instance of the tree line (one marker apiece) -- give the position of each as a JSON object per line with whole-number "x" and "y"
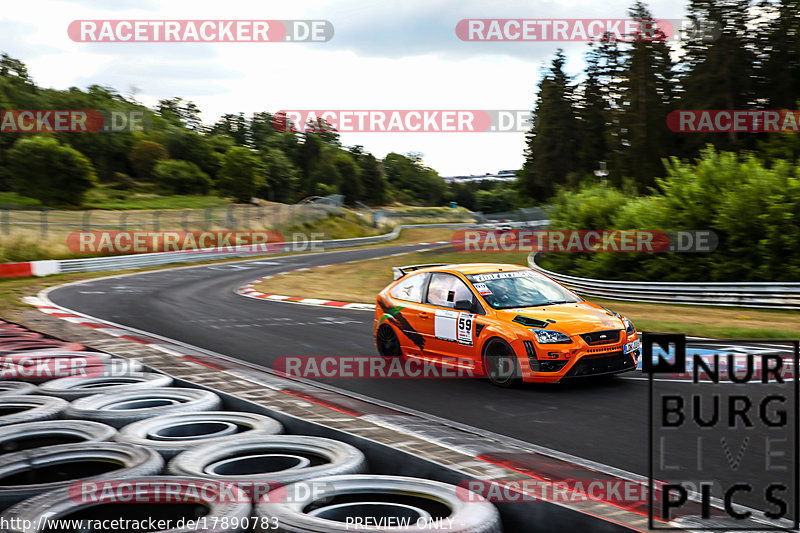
{"x": 238, "y": 156}
{"x": 615, "y": 111}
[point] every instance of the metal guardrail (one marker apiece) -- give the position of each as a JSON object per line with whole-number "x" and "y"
{"x": 125, "y": 262}
{"x": 769, "y": 295}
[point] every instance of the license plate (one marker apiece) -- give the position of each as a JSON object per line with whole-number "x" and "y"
{"x": 632, "y": 346}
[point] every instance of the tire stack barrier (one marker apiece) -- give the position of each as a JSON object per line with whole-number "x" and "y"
{"x": 115, "y": 424}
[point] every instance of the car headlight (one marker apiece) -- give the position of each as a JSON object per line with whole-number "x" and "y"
{"x": 629, "y": 329}
{"x": 546, "y": 336}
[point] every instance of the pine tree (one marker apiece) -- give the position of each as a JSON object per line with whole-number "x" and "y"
{"x": 719, "y": 73}
{"x": 552, "y": 139}
{"x": 647, "y": 99}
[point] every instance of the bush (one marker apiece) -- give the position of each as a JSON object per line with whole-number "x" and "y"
{"x": 239, "y": 176}
{"x": 144, "y": 157}
{"x": 753, "y": 209}
{"x": 181, "y": 177}
{"x": 56, "y": 175}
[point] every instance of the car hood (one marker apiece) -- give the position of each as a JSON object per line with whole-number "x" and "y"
{"x": 569, "y": 318}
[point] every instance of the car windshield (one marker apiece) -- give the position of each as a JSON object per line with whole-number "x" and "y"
{"x": 520, "y": 288}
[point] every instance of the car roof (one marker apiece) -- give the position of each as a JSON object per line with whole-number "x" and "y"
{"x": 476, "y": 268}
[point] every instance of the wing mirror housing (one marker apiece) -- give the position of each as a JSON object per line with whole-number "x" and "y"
{"x": 463, "y": 305}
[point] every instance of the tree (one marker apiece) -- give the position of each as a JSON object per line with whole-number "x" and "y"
{"x": 593, "y": 117}
{"x": 720, "y": 73}
{"x": 350, "y": 184}
{"x": 495, "y": 200}
{"x": 416, "y": 182}
{"x": 234, "y": 126}
{"x": 282, "y": 177}
{"x": 373, "y": 179}
{"x": 56, "y": 175}
{"x": 781, "y": 41}
{"x": 181, "y": 177}
{"x": 180, "y": 112}
{"x": 145, "y": 155}
{"x": 239, "y": 176}
{"x": 647, "y": 99}
{"x": 552, "y": 139}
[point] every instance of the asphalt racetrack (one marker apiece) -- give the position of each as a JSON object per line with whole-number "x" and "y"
{"x": 605, "y": 420}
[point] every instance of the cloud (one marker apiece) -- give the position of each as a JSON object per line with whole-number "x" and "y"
{"x": 419, "y": 27}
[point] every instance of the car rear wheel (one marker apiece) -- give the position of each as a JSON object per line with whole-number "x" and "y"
{"x": 387, "y": 341}
{"x": 501, "y": 364}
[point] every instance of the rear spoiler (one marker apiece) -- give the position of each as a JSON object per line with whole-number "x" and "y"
{"x": 399, "y": 272}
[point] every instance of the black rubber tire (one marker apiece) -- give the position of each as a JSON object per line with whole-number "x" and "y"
{"x": 132, "y": 462}
{"x": 30, "y": 408}
{"x": 74, "y": 388}
{"x": 107, "y": 408}
{"x": 49, "y": 363}
{"x": 387, "y": 342}
{"x": 247, "y": 423}
{"x": 292, "y": 512}
{"x": 328, "y": 457}
{"x": 59, "y": 504}
{"x": 30, "y": 435}
{"x": 15, "y": 388}
{"x": 501, "y": 364}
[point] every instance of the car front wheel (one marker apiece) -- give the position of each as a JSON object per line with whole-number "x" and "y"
{"x": 501, "y": 364}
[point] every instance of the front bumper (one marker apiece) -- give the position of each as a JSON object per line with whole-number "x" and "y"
{"x": 551, "y": 363}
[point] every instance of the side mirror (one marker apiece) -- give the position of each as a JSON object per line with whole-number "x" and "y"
{"x": 463, "y": 305}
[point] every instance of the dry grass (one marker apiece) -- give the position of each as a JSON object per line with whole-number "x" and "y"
{"x": 361, "y": 281}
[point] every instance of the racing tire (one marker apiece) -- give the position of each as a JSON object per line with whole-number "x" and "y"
{"x": 30, "y": 435}
{"x": 15, "y": 388}
{"x": 74, "y": 388}
{"x": 280, "y": 459}
{"x": 172, "y": 434}
{"x": 123, "y": 408}
{"x": 501, "y": 364}
{"x": 28, "y": 473}
{"x": 387, "y": 341}
{"x": 30, "y": 408}
{"x": 61, "y": 504}
{"x": 324, "y": 504}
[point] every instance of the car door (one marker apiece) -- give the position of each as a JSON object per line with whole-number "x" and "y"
{"x": 453, "y": 330}
{"x": 414, "y": 319}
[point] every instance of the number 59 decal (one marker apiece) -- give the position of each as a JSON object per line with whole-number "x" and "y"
{"x": 466, "y": 323}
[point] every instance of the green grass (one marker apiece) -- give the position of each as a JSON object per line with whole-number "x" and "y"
{"x": 144, "y": 196}
{"x": 18, "y": 200}
{"x": 347, "y": 225}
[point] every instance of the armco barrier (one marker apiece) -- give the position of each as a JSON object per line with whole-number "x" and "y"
{"x": 770, "y": 295}
{"x": 125, "y": 262}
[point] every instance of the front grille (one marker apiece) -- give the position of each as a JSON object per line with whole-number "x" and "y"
{"x": 594, "y": 338}
{"x": 604, "y": 349}
{"x": 592, "y": 365}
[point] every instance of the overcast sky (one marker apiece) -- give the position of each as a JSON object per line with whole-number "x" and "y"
{"x": 384, "y": 55}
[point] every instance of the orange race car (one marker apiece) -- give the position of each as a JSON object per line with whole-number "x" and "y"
{"x": 506, "y": 322}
